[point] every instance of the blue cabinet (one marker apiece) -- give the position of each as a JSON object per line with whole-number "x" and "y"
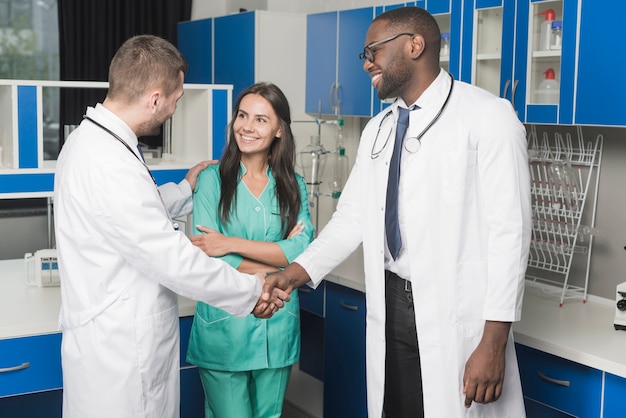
{"x": 234, "y": 51}
{"x": 36, "y": 362}
{"x": 243, "y": 49}
{"x": 336, "y": 83}
{"x": 552, "y": 384}
{"x": 601, "y": 61}
{"x": 195, "y": 42}
{"x": 515, "y": 65}
{"x": 344, "y": 353}
{"x": 34, "y": 387}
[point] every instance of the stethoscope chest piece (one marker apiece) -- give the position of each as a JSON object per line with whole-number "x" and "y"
{"x": 412, "y": 144}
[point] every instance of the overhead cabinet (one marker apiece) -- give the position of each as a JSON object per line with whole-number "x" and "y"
{"x": 336, "y": 83}
{"x": 202, "y": 114}
{"x": 246, "y": 48}
{"x": 494, "y": 44}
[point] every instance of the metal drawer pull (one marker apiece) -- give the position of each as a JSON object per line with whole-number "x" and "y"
{"x": 304, "y": 290}
{"x": 555, "y": 381}
{"x": 14, "y": 368}
{"x": 350, "y": 307}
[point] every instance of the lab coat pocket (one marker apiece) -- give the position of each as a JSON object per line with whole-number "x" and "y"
{"x": 158, "y": 355}
{"x": 458, "y": 176}
{"x": 470, "y": 292}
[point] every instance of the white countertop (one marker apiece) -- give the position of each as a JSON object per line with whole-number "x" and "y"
{"x": 31, "y": 310}
{"x": 581, "y": 332}
{"x": 577, "y": 331}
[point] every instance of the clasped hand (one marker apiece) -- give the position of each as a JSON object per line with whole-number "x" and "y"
{"x": 276, "y": 290}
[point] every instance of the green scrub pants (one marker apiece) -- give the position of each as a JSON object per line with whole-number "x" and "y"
{"x": 249, "y": 394}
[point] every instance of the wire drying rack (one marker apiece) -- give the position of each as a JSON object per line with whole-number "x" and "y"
{"x": 562, "y": 170}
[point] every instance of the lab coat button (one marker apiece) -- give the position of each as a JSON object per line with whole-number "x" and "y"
{"x": 257, "y": 208}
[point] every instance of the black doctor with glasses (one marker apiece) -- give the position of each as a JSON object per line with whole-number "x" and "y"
{"x": 439, "y": 197}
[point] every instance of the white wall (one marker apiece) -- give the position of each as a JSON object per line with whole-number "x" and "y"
{"x": 210, "y": 8}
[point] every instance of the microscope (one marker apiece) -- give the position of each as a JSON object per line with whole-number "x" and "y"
{"x": 620, "y": 307}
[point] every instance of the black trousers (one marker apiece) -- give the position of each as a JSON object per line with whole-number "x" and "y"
{"x": 403, "y": 377}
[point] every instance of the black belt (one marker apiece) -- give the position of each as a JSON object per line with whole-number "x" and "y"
{"x": 394, "y": 276}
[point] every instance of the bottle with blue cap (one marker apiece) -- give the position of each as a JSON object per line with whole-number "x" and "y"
{"x": 557, "y": 35}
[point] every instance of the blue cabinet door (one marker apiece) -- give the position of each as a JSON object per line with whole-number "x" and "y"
{"x": 531, "y": 74}
{"x": 354, "y": 92}
{"x": 558, "y": 383}
{"x": 37, "y": 363}
{"x": 344, "y": 354}
{"x": 614, "y": 395}
{"x": 321, "y": 62}
{"x": 191, "y": 394}
{"x": 195, "y": 42}
{"x": 601, "y": 64}
{"x": 235, "y": 51}
{"x": 336, "y": 83}
{"x": 489, "y": 65}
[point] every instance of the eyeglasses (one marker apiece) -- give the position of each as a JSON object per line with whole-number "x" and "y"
{"x": 368, "y": 54}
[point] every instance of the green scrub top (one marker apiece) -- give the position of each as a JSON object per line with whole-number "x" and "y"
{"x": 218, "y": 340}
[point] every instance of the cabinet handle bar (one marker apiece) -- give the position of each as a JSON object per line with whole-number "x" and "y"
{"x": 552, "y": 380}
{"x": 14, "y": 368}
{"x": 350, "y": 307}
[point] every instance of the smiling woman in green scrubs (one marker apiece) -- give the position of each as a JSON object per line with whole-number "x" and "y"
{"x": 253, "y": 213}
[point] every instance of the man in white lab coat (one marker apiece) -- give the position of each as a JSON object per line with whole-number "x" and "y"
{"x": 121, "y": 260}
{"x": 439, "y": 310}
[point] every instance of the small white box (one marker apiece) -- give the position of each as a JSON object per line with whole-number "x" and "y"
{"x": 42, "y": 268}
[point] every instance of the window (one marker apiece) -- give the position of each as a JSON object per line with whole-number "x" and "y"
{"x": 29, "y": 50}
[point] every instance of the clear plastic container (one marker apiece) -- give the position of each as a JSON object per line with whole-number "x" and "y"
{"x": 548, "y": 91}
{"x": 546, "y": 30}
{"x": 557, "y": 35}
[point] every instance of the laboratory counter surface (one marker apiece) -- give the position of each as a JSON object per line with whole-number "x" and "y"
{"x": 577, "y": 331}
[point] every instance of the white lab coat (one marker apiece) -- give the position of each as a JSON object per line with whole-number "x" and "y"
{"x": 122, "y": 264}
{"x": 465, "y": 223}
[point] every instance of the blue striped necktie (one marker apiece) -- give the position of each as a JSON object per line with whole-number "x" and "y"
{"x": 392, "y": 228}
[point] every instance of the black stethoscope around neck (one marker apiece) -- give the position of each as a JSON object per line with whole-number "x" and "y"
{"x": 119, "y": 139}
{"x": 414, "y": 143}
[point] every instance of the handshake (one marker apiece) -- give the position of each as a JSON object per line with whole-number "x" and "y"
{"x": 276, "y": 289}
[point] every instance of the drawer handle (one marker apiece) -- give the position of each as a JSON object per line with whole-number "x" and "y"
{"x": 14, "y": 368}
{"x": 350, "y": 307}
{"x": 555, "y": 381}
{"x": 304, "y": 290}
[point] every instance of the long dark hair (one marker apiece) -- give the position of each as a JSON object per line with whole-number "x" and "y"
{"x": 282, "y": 158}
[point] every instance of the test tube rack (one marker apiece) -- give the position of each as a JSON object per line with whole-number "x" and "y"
{"x": 562, "y": 171}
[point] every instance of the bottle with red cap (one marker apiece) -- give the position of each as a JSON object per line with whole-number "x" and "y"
{"x": 548, "y": 91}
{"x": 546, "y": 29}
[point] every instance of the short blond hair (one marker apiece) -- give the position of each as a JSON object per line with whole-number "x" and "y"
{"x": 144, "y": 62}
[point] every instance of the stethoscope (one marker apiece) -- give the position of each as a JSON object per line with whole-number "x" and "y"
{"x": 414, "y": 143}
{"x": 119, "y": 139}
